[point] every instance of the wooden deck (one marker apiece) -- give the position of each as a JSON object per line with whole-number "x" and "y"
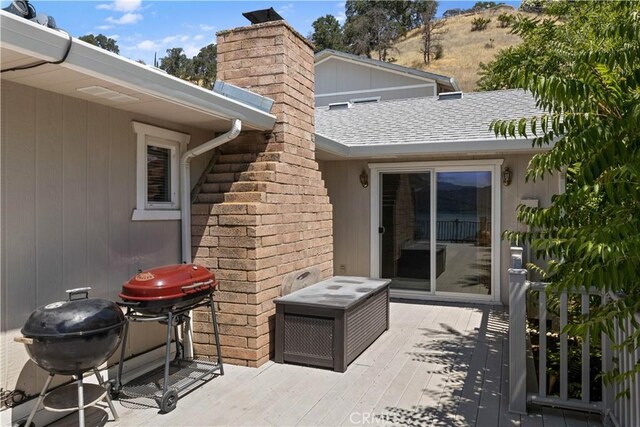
{"x": 439, "y": 364}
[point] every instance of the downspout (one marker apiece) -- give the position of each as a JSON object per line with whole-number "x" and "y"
{"x": 185, "y": 209}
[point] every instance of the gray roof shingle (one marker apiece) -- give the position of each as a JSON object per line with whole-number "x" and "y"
{"x": 423, "y": 120}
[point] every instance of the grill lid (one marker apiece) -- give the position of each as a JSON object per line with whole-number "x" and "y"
{"x": 168, "y": 282}
{"x": 75, "y": 317}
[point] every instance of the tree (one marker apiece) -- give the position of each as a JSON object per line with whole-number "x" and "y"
{"x": 505, "y": 20}
{"x": 205, "y": 66}
{"x": 432, "y": 30}
{"x": 482, "y": 5}
{"x": 327, "y": 34}
{"x": 532, "y": 6}
{"x": 372, "y": 26}
{"x": 176, "y": 63}
{"x": 102, "y": 41}
{"x": 479, "y": 23}
{"x": 590, "y": 95}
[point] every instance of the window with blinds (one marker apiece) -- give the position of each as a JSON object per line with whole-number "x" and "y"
{"x": 158, "y": 154}
{"x": 158, "y": 174}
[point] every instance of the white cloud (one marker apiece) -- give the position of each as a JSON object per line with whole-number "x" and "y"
{"x": 340, "y": 16}
{"x": 137, "y": 46}
{"x": 121, "y": 5}
{"x": 286, "y": 9}
{"x": 169, "y": 39}
{"x": 114, "y": 36}
{"x": 104, "y": 27}
{"x": 191, "y": 50}
{"x": 205, "y": 27}
{"x": 147, "y": 45}
{"x": 126, "y": 19}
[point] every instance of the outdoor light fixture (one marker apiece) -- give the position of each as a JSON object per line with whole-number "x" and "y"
{"x": 364, "y": 179}
{"x": 507, "y": 175}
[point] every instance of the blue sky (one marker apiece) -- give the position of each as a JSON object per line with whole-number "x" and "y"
{"x": 143, "y": 28}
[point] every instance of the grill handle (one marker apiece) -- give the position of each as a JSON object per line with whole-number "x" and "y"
{"x": 128, "y": 303}
{"x": 72, "y": 292}
{"x": 23, "y": 340}
{"x": 191, "y": 288}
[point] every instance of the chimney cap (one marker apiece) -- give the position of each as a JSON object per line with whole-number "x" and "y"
{"x": 262, "y": 15}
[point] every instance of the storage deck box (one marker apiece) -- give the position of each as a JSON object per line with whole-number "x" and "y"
{"x": 330, "y": 323}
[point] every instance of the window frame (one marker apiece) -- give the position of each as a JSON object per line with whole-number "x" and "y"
{"x": 176, "y": 142}
{"x": 490, "y": 165}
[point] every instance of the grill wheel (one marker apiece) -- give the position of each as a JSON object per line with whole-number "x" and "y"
{"x": 169, "y": 401}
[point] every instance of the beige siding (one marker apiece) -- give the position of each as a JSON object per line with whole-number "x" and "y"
{"x": 385, "y": 95}
{"x": 351, "y": 216}
{"x": 68, "y": 191}
{"x": 335, "y": 76}
{"x": 351, "y": 207}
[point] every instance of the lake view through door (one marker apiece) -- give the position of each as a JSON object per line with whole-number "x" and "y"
{"x": 435, "y": 233}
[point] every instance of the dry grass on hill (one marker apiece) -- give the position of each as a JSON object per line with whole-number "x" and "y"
{"x": 463, "y": 49}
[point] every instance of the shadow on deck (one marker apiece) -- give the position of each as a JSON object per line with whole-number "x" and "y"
{"x": 439, "y": 364}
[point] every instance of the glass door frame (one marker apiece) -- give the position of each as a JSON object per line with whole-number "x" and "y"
{"x": 433, "y": 167}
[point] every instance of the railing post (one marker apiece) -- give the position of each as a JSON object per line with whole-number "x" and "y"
{"x": 517, "y": 334}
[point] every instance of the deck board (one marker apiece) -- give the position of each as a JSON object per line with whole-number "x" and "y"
{"x": 438, "y": 365}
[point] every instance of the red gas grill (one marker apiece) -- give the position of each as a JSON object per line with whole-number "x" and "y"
{"x": 167, "y": 295}
{"x": 168, "y": 288}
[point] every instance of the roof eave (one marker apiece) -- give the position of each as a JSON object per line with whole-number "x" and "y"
{"x": 478, "y": 146}
{"x": 47, "y": 44}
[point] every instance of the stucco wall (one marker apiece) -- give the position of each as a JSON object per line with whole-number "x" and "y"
{"x": 68, "y": 191}
{"x": 352, "y": 205}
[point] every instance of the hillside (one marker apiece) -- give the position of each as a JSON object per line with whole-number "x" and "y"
{"x": 463, "y": 49}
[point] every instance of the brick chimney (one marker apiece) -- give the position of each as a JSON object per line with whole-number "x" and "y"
{"x": 263, "y": 213}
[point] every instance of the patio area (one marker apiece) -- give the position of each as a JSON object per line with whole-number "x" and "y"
{"x": 439, "y": 364}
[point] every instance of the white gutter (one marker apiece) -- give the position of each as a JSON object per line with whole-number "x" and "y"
{"x": 26, "y": 37}
{"x": 471, "y": 146}
{"x": 185, "y": 208}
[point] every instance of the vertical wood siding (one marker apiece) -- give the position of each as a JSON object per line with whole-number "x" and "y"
{"x": 351, "y": 216}
{"x": 334, "y": 75}
{"x": 68, "y": 191}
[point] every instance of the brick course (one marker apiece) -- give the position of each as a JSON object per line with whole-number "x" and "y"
{"x": 273, "y": 216}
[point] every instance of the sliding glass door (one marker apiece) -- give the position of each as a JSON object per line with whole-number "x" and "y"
{"x": 463, "y": 238}
{"x": 435, "y": 231}
{"x": 405, "y": 232}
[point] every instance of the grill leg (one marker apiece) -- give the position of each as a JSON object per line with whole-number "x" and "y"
{"x": 179, "y": 355}
{"x": 167, "y": 356}
{"x": 109, "y": 402}
{"x": 40, "y": 399}
{"x": 121, "y": 364}
{"x": 215, "y": 332}
{"x": 80, "y": 402}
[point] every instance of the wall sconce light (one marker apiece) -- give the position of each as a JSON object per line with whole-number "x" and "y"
{"x": 507, "y": 176}
{"x": 364, "y": 178}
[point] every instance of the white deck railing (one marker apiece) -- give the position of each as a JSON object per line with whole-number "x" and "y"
{"x": 621, "y": 411}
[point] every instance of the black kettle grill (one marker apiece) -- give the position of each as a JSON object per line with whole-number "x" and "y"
{"x": 70, "y": 338}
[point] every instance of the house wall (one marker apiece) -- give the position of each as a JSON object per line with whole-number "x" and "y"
{"x": 68, "y": 192}
{"x": 352, "y": 204}
{"x": 335, "y": 76}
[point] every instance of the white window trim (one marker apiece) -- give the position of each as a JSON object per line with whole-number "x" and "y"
{"x": 492, "y": 165}
{"x": 177, "y": 143}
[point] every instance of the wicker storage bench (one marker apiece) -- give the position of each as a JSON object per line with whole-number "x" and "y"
{"x": 330, "y": 323}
